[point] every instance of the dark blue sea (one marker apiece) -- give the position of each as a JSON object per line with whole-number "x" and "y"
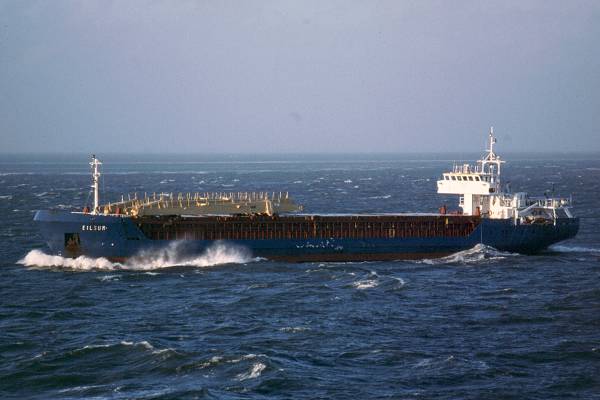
{"x": 480, "y": 324}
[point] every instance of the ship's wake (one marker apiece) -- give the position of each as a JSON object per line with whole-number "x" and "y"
{"x": 475, "y": 255}
{"x": 170, "y": 256}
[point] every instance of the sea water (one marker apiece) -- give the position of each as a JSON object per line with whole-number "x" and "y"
{"x": 224, "y": 324}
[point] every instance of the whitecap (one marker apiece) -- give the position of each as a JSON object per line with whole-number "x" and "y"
{"x": 573, "y": 249}
{"x": 214, "y": 360}
{"x": 294, "y": 329}
{"x": 143, "y": 343}
{"x": 146, "y": 345}
{"x": 474, "y": 255}
{"x": 400, "y": 283}
{"x": 92, "y": 346}
{"x": 109, "y": 278}
{"x": 79, "y": 388}
{"x": 365, "y": 284}
{"x": 250, "y": 356}
{"x": 254, "y": 372}
{"x": 6, "y": 197}
{"x": 44, "y": 353}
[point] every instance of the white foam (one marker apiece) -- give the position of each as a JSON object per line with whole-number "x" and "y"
{"x": 294, "y": 329}
{"x": 573, "y": 249}
{"x": 213, "y": 361}
{"x": 400, "y": 282}
{"x": 217, "y": 254}
{"x": 255, "y": 372}
{"x": 250, "y": 356}
{"x": 365, "y": 284}
{"x": 93, "y": 346}
{"x": 476, "y": 254}
{"x": 37, "y": 258}
{"x": 108, "y": 278}
{"x": 143, "y": 343}
{"x": 80, "y": 388}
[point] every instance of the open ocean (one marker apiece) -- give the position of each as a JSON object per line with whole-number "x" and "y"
{"x": 475, "y": 325}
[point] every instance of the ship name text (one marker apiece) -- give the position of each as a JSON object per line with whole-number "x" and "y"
{"x": 95, "y": 228}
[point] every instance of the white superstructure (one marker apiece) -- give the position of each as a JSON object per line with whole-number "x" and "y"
{"x": 481, "y": 193}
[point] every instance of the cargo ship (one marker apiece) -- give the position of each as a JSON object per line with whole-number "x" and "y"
{"x": 273, "y": 226}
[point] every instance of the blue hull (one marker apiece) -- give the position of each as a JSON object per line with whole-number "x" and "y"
{"x": 117, "y": 238}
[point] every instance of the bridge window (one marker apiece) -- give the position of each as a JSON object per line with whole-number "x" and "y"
{"x": 459, "y": 178}
{"x": 470, "y": 178}
{"x": 453, "y": 178}
{"x": 446, "y": 177}
{"x": 477, "y": 178}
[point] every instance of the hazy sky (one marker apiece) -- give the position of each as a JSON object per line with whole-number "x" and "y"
{"x": 298, "y": 76}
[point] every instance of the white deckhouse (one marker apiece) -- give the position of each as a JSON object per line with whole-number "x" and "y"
{"x": 481, "y": 193}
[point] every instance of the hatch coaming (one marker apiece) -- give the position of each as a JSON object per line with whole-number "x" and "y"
{"x": 257, "y": 227}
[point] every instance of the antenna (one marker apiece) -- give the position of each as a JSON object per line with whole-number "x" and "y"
{"x": 95, "y": 179}
{"x": 492, "y": 141}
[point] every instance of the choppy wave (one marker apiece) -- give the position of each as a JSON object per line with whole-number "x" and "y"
{"x": 373, "y": 280}
{"x": 217, "y": 254}
{"x": 366, "y": 284}
{"x": 144, "y": 345}
{"x": 475, "y": 255}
